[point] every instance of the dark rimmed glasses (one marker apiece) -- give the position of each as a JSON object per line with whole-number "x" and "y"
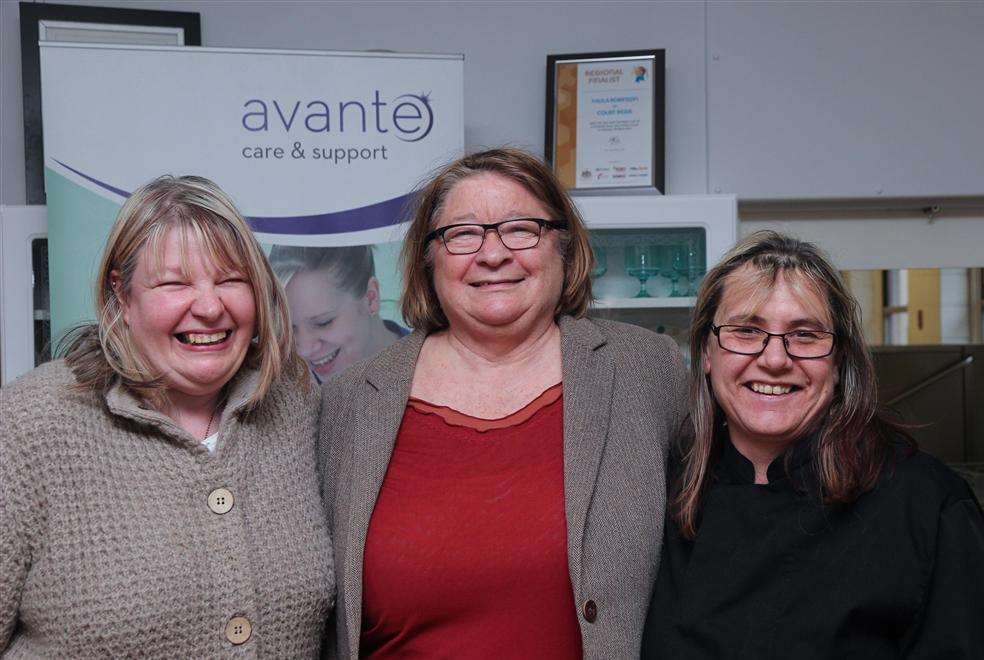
{"x": 749, "y": 340}
{"x": 516, "y": 234}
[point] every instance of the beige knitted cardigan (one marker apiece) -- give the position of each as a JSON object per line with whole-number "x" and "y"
{"x": 108, "y": 546}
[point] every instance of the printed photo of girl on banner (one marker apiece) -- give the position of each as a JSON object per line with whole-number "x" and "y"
{"x": 334, "y": 299}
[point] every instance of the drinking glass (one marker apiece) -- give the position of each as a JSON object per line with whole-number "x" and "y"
{"x": 687, "y": 263}
{"x": 601, "y": 262}
{"x": 642, "y": 263}
{"x": 671, "y": 261}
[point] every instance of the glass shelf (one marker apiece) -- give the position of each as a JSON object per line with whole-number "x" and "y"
{"x": 647, "y": 267}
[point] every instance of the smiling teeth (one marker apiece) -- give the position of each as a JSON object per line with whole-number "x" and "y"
{"x": 326, "y": 359}
{"x": 490, "y": 282}
{"x": 198, "y": 338}
{"x": 762, "y": 388}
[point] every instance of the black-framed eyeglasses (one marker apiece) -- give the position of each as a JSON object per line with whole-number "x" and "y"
{"x": 515, "y": 234}
{"x": 749, "y": 340}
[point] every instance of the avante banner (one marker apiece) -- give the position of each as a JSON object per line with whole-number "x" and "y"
{"x": 320, "y": 151}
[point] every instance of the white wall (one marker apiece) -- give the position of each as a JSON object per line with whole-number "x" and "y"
{"x": 846, "y": 99}
{"x": 767, "y": 100}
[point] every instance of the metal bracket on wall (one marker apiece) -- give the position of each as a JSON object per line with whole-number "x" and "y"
{"x": 961, "y": 364}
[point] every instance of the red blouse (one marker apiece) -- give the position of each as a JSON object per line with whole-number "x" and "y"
{"x": 466, "y": 553}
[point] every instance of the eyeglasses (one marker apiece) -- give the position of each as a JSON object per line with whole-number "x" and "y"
{"x": 518, "y": 234}
{"x": 748, "y": 340}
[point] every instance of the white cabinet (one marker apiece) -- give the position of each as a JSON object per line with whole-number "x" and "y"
{"x": 621, "y": 224}
{"x": 24, "y": 317}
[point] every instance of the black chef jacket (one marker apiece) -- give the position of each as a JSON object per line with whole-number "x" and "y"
{"x": 775, "y": 574}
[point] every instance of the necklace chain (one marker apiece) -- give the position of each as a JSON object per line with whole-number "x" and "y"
{"x": 210, "y": 419}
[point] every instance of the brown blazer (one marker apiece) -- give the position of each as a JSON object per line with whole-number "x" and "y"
{"x": 624, "y": 397}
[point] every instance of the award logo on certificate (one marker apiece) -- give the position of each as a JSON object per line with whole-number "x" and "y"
{"x": 605, "y": 120}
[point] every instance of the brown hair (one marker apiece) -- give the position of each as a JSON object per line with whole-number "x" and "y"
{"x": 854, "y": 439}
{"x": 101, "y": 352}
{"x": 420, "y": 305}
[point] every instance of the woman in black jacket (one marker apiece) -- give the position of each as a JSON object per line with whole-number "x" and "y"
{"x": 804, "y": 523}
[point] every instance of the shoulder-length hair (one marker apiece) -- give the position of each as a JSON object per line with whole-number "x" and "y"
{"x": 854, "y": 439}
{"x": 420, "y": 305}
{"x": 101, "y": 352}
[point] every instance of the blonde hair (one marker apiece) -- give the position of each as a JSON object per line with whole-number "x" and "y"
{"x": 101, "y": 352}
{"x": 854, "y": 439}
{"x": 420, "y": 305}
{"x": 350, "y": 267}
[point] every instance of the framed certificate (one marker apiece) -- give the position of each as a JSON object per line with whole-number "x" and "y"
{"x": 605, "y": 120}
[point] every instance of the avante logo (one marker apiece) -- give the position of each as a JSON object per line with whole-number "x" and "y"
{"x": 408, "y": 116}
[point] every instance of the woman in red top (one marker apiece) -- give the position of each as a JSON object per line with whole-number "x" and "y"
{"x": 494, "y": 482}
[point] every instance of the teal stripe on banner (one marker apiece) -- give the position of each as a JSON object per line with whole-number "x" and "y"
{"x": 79, "y": 221}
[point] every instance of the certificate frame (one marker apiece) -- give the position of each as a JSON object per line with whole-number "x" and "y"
{"x": 621, "y": 145}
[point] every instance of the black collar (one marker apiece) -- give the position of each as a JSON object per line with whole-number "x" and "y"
{"x": 794, "y": 468}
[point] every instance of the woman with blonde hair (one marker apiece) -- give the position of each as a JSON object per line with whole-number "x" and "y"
{"x": 804, "y": 523}
{"x": 157, "y": 485}
{"x": 494, "y": 482}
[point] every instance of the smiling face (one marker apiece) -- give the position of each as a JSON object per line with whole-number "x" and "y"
{"x": 193, "y": 325}
{"x": 496, "y": 287}
{"x": 771, "y": 399}
{"x": 332, "y": 328}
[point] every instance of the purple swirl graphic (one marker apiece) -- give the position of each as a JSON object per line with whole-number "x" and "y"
{"x": 382, "y": 214}
{"x": 116, "y": 191}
